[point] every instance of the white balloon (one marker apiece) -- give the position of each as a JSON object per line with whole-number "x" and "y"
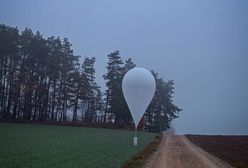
{"x": 138, "y": 87}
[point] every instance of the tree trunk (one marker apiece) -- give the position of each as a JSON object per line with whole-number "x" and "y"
{"x": 76, "y": 106}
{"x": 106, "y": 107}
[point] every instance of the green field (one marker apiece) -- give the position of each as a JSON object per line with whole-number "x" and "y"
{"x": 36, "y": 146}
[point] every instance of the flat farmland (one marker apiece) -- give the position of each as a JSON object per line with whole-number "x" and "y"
{"x": 27, "y": 145}
{"x": 231, "y": 149}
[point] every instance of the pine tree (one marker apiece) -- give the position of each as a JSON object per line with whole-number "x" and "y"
{"x": 161, "y": 110}
{"x": 114, "y": 98}
{"x": 8, "y": 67}
{"x": 88, "y": 71}
{"x": 53, "y": 70}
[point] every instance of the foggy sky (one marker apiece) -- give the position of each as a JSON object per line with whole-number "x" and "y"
{"x": 200, "y": 44}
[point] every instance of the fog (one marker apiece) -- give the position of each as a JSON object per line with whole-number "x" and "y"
{"x": 200, "y": 44}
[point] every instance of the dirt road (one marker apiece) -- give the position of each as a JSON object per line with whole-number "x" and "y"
{"x": 178, "y": 152}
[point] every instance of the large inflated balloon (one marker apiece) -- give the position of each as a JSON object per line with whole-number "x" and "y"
{"x": 138, "y": 87}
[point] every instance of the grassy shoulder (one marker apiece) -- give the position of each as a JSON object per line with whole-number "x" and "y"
{"x": 231, "y": 149}
{"x": 139, "y": 159}
{"x": 27, "y": 145}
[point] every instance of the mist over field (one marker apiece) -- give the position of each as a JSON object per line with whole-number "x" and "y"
{"x": 201, "y": 45}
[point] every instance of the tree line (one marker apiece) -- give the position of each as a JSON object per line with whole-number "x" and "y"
{"x": 42, "y": 80}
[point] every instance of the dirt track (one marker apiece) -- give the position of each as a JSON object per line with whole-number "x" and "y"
{"x": 178, "y": 152}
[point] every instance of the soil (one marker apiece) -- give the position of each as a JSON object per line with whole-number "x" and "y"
{"x": 233, "y": 149}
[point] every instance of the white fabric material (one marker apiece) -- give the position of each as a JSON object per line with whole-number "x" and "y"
{"x": 135, "y": 141}
{"x": 138, "y": 87}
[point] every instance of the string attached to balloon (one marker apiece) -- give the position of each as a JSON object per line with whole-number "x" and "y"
{"x": 138, "y": 87}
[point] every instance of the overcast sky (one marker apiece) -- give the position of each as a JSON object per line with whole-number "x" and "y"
{"x": 200, "y": 44}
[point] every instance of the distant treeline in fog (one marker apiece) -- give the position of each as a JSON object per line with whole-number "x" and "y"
{"x": 42, "y": 80}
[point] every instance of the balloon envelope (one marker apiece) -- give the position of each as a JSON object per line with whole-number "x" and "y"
{"x": 138, "y": 87}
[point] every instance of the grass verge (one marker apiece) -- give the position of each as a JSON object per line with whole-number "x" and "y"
{"x": 140, "y": 158}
